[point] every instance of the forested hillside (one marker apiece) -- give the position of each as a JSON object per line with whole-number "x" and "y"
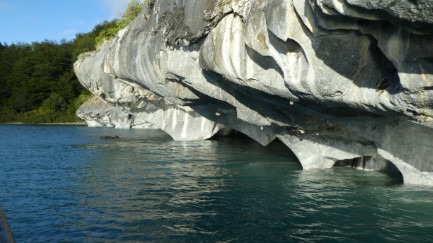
{"x": 37, "y": 80}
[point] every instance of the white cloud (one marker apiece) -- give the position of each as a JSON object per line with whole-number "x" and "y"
{"x": 115, "y": 7}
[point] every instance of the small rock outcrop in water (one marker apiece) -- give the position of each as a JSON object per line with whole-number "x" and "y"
{"x": 106, "y": 137}
{"x": 334, "y": 80}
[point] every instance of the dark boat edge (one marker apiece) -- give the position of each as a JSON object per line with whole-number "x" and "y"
{"x": 6, "y": 235}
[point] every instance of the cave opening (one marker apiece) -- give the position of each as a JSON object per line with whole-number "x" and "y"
{"x": 276, "y": 147}
{"x": 373, "y": 164}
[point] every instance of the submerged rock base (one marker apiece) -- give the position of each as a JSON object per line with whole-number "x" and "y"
{"x": 333, "y": 80}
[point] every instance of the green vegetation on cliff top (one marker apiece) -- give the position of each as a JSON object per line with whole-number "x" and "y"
{"x": 132, "y": 10}
{"x": 37, "y": 81}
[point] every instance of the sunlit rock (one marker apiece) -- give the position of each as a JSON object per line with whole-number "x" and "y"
{"x": 99, "y": 113}
{"x": 335, "y": 80}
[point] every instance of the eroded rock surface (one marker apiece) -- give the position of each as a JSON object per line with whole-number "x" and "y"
{"x": 334, "y": 80}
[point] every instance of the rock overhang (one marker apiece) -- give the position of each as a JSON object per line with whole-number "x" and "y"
{"x": 328, "y": 78}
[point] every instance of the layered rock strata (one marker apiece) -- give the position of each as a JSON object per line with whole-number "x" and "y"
{"x": 334, "y": 80}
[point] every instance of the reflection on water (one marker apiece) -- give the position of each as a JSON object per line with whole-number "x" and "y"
{"x": 66, "y": 184}
{"x": 180, "y": 189}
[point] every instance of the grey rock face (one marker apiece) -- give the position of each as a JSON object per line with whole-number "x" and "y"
{"x": 99, "y": 113}
{"x": 134, "y": 106}
{"x": 334, "y": 80}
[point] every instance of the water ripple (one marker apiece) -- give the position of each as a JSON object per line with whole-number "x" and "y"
{"x": 65, "y": 184}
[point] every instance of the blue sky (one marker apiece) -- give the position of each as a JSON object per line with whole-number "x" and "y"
{"x": 37, "y": 20}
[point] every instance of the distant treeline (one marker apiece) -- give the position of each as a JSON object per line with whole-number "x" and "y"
{"x": 37, "y": 81}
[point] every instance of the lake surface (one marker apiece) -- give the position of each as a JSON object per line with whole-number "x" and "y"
{"x": 66, "y": 184}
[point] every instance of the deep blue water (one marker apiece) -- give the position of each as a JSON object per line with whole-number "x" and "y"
{"x": 65, "y": 184}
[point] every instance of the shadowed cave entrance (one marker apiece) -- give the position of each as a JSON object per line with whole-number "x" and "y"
{"x": 368, "y": 163}
{"x": 275, "y": 147}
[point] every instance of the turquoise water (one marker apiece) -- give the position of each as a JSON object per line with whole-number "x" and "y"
{"x": 65, "y": 184}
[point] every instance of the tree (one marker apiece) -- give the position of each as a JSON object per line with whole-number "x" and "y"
{"x": 54, "y": 103}
{"x": 131, "y": 12}
{"x": 85, "y": 42}
{"x": 37, "y": 80}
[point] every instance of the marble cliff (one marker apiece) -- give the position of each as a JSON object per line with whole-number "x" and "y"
{"x": 334, "y": 80}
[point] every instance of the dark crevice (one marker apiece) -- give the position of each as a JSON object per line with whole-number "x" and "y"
{"x": 428, "y": 88}
{"x": 389, "y": 79}
{"x": 429, "y": 59}
{"x": 414, "y": 2}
